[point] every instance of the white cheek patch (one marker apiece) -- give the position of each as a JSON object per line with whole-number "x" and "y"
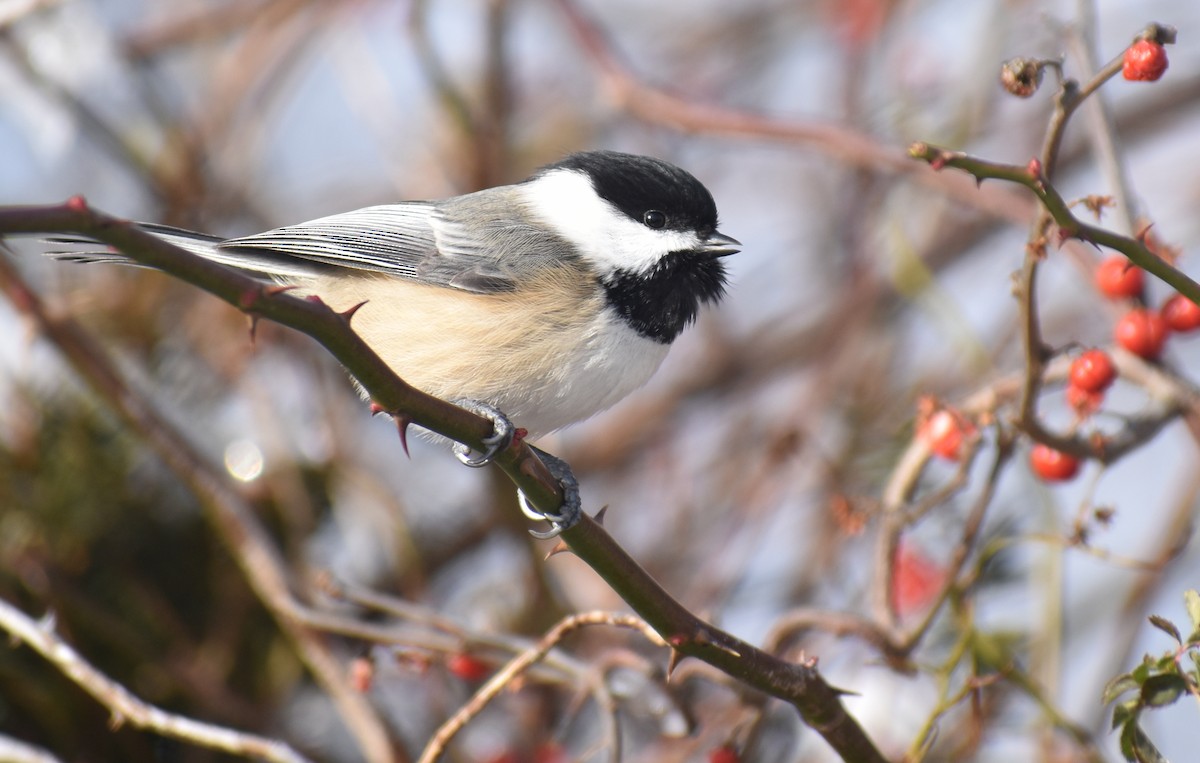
{"x": 565, "y": 201}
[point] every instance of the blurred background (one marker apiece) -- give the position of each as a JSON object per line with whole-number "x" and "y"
{"x": 746, "y": 477}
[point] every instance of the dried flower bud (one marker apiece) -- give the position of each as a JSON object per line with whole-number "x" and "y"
{"x": 1021, "y": 76}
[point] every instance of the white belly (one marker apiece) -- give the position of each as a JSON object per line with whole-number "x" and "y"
{"x": 614, "y": 363}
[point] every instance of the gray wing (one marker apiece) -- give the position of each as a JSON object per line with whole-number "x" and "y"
{"x": 481, "y": 242}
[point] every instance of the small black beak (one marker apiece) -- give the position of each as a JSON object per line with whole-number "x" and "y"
{"x": 719, "y": 245}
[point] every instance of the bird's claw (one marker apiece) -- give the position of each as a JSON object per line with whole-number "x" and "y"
{"x": 502, "y": 434}
{"x": 568, "y": 513}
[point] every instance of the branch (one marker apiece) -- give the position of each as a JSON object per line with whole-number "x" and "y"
{"x": 124, "y": 706}
{"x": 1069, "y": 226}
{"x": 797, "y": 684}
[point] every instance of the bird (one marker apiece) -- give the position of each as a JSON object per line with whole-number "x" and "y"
{"x": 539, "y": 303}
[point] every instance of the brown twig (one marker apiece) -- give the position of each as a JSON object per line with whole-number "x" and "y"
{"x": 519, "y": 664}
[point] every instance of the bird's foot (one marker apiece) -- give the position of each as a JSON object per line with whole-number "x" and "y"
{"x": 502, "y": 434}
{"x": 569, "y": 512}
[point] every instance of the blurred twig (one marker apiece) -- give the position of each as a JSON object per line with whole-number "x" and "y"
{"x": 482, "y": 122}
{"x": 124, "y": 706}
{"x": 835, "y": 140}
{"x": 14, "y": 751}
{"x": 199, "y": 24}
{"x": 12, "y": 11}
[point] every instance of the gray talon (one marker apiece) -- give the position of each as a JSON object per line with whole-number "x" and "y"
{"x": 502, "y": 434}
{"x": 571, "y": 508}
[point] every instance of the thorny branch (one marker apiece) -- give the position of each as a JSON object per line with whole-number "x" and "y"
{"x": 1059, "y": 210}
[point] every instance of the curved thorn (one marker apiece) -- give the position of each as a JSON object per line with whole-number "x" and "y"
{"x": 402, "y": 422}
{"x": 348, "y": 314}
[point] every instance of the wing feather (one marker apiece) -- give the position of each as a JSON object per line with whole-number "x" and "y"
{"x": 481, "y": 242}
{"x": 391, "y": 239}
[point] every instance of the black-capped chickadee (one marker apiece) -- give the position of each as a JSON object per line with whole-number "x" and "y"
{"x": 550, "y": 299}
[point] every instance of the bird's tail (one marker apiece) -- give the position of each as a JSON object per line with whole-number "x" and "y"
{"x": 82, "y": 249}
{"x": 256, "y": 261}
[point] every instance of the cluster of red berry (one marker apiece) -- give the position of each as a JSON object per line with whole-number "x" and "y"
{"x": 1142, "y": 331}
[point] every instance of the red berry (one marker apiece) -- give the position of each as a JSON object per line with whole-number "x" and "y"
{"x": 1180, "y": 313}
{"x": 1085, "y": 403}
{"x": 1118, "y": 278}
{"x": 1145, "y": 61}
{"x": 468, "y": 668}
{"x": 1093, "y": 371}
{"x": 944, "y": 433}
{"x": 1052, "y": 465}
{"x": 1142, "y": 332}
{"x": 362, "y": 671}
{"x": 723, "y": 754}
{"x": 915, "y": 580}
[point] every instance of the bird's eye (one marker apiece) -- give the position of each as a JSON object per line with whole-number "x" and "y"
{"x": 654, "y": 219}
